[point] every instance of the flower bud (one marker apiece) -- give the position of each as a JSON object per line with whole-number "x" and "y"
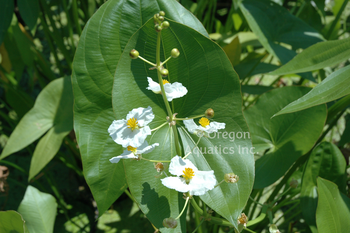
{"x": 161, "y": 13}
{"x": 243, "y": 220}
{"x": 209, "y": 113}
{"x": 293, "y": 184}
{"x": 231, "y": 178}
{"x": 158, "y": 28}
{"x": 165, "y": 24}
{"x": 159, "y": 167}
{"x": 164, "y": 72}
{"x": 169, "y": 223}
{"x": 134, "y": 54}
{"x": 273, "y": 229}
{"x": 161, "y": 18}
{"x": 175, "y": 53}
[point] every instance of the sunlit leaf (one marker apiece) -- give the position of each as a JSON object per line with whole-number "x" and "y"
{"x": 11, "y": 221}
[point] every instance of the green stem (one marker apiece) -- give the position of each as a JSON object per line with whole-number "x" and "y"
{"x": 192, "y": 148}
{"x": 219, "y": 183}
{"x": 166, "y": 60}
{"x": 129, "y": 195}
{"x": 198, "y": 226}
{"x": 177, "y": 141}
{"x": 159, "y": 126}
{"x": 156, "y": 161}
{"x": 183, "y": 209}
{"x": 75, "y": 16}
{"x": 145, "y": 60}
{"x": 334, "y": 23}
{"x": 188, "y": 118}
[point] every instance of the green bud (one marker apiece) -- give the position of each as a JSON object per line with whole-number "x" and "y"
{"x": 170, "y": 223}
{"x": 164, "y": 72}
{"x": 209, "y": 113}
{"x": 293, "y": 183}
{"x": 175, "y": 53}
{"x": 161, "y": 18}
{"x": 165, "y": 24}
{"x": 158, "y": 28}
{"x": 231, "y": 178}
{"x": 161, "y": 13}
{"x": 134, "y": 54}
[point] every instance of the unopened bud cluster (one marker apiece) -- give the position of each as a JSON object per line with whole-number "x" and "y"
{"x": 159, "y": 23}
{"x": 231, "y": 178}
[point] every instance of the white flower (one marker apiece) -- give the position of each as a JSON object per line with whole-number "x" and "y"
{"x": 188, "y": 179}
{"x": 134, "y": 130}
{"x": 172, "y": 90}
{"x": 206, "y": 127}
{"x": 134, "y": 153}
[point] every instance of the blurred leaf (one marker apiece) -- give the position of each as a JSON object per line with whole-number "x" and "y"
{"x": 52, "y": 108}
{"x": 49, "y": 145}
{"x": 93, "y": 71}
{"x": 19, "y": 100}
{"x": 318, "y": 56}
{"x": 255, "y": 89}
{"x": 29, "y": 11}
{"x": 38, "y": 210}
{"x": 325, "y": 161}
{"x": 233, "y": 51}
{"x": 333, "y": 209}
{"x": 273, "y": 24}
{"x": 345, "y": 137}
{"x": 6, "y": 12}
{"x": 12, "y": 222}
{"x": 286, "y": 137}
{"x": 253, "y": 67}
{"x": 210, "y": 83}
{"x": 333, "y": 87}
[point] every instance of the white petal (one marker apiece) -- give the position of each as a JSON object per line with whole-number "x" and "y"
{"x": 190, "y": 125}
{"x": 174, "y": 90}
{"x": 202, "y": 182}
{"x": 147, "y": 149}
{"x": 138, "y": 136}
{"x": 125, "y": 155}
{"x": 214, "y": 127}
{"x": 143, "y": 115}
{"x": 153, "y": 86}
{"x": 178, "y": 165}
{"x": 176, "y": 183}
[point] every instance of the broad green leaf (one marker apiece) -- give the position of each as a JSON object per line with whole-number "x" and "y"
{"x": 333, "y": 87}
{"x": 12, "y": 222}
{"x": 204, "y": 69}
{"x": 100, "y": 46}
{"x": 286, "y": 137}
{"x": 333, "y": 209}
{"x": 233, "y": 51}
{"x": 255, "y": 89}
{"x": 273, "y": 24}
{"x": 52, "y": 108}
{"x": 325, "y": 161}
{"x": 38, "y": 209}
{"x": 29, "y": 11}
{"x": 318, "y": 56}
{"x": 6, "y": 12}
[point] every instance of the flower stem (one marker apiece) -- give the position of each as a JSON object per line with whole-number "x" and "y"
{"x": 159, "y": 126}
{"x": 219, "y": 183}
{"x": 145, "y": 60}
{"x": 183, "y": 208}
{"x": 188, "y": 118}
{"x": 156, "y": 161}
{"x": 192, "y": 148}
{"x": 160, "y": 80}
{"x": 166, "y": 60}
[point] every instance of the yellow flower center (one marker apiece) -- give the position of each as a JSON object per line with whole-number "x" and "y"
{"x": 204, "y": 122}
{"x": 188, "y": 174}
{"x": 132, "y": 149}
{"x": 132, "y": 124}
{"x": 165, "y": 81}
